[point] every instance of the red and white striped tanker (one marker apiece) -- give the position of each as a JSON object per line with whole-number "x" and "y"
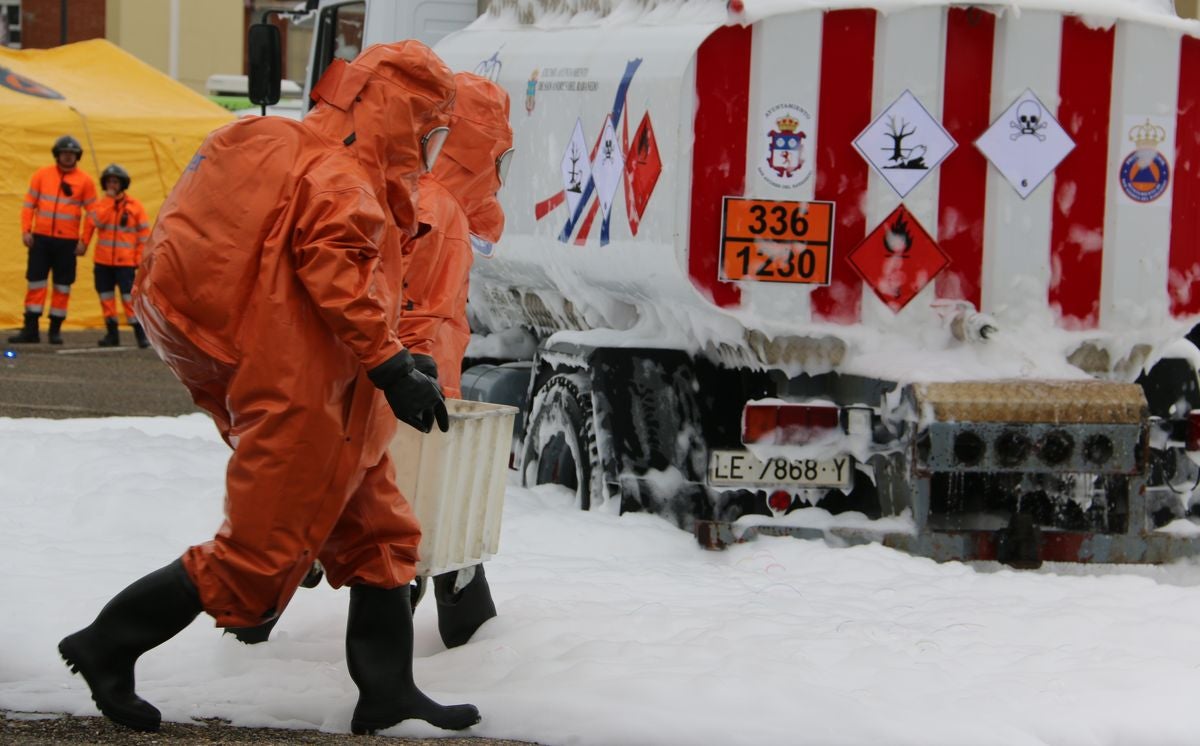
{"x": 931, "y": 263}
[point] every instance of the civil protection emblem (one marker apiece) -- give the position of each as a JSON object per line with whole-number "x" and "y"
{"x": 1144, "y": 172}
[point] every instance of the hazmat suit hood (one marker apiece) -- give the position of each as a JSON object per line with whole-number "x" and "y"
{"x": 380, "y": 106}
{"x": 479, "y": 135}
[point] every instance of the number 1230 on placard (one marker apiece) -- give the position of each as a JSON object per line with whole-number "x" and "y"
{"x": 776, "y": 241}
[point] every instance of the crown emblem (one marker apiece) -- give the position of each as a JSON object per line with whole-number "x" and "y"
{"x": 1147, "y": 135}
{"x": 787, "y": 124}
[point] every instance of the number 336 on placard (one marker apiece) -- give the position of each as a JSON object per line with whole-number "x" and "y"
{"x": 776, "y": 241}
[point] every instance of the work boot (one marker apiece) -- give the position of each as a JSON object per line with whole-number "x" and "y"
{"x": 112, "y": 337}
{"x": 55, "y": 336}
{"x": 29, "y": 333}
{"x": 143, "y": 616}
{"x": 379, "y": 653}
{"x": 261, "y": 633}
{"x": 253, "y": 635}
{"x": 140, "y": 334}
{"x": 464, "y": 602}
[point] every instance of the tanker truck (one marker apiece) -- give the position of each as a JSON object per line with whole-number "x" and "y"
{"x": 919, "y": 274}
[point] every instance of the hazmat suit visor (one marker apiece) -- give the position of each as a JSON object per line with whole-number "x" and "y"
{"x": 470, "y": 168}
{"x": 387, "y": 106}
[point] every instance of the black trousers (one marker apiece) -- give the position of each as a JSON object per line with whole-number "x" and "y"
{"x": 51, "y": 255}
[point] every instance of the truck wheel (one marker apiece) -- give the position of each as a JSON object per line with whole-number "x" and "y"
{"x": 560, "y": 445}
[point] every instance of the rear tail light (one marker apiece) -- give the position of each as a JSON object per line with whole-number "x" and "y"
{"x": 788, "y": 424}
{"x": 1012, "y": 447}
{"x": 1098, "y": 449}
{"x": 779, "y": 501}
{"x": 1056, "y": 447}
{"x": 969, "y": 448}
{"x": 1193, "y": 430}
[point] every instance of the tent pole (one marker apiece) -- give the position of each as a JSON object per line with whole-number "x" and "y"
{"x": 87, "y": 132}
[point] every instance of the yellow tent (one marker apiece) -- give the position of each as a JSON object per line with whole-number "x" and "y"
{"x": 122, "y": 111}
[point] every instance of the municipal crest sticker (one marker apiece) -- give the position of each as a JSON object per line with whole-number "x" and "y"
{"x": 787, "y": 144}
{"x": 1144, "y": 172}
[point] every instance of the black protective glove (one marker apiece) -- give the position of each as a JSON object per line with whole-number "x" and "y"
{"x": 426, "y": 365}
{"x": 414, "y": 397}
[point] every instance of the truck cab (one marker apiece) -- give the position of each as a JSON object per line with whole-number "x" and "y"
{"x": 346, "y": 27}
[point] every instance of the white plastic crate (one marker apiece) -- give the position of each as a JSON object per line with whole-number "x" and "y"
{"x": 455, "y": 483}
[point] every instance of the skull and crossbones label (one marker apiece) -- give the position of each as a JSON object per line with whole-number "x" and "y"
{"x": 1029, "y": 121}
{"x": 1025, "y": 143}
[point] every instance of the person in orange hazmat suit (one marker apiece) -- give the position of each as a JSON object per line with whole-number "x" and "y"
{"x": 458, "y": 201}
{"x": 269, "y": 287}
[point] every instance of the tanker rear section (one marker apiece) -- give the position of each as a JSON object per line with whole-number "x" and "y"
{"x": 931, "y": 271}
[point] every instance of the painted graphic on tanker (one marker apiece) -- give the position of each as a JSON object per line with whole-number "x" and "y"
{"x": 491, "y": 67}
{"x": 14, "y": 81}
{"x": 786, "y": 163}
{"x": 591, "y": 178}
{"x": 1025, "y": 143}
{"x": 904, "y": 143}
{"x": 1144, "y": 172}
{"x": 898, "y": 259}
{"x": 531, "y": 91}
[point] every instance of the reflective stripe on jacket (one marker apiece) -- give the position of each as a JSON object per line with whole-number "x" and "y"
{"x": 48, "y": 210}
{"x": 118, "y": 245}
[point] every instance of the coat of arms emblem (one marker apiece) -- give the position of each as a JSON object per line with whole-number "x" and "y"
{"x": 785, "y": 152}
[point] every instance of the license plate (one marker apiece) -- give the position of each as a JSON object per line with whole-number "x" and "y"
{"x": 734, "y": 468}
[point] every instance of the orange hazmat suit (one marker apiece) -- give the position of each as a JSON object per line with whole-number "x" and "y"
{"x": 268, "y": 287}
{"x": 458, "y": 201}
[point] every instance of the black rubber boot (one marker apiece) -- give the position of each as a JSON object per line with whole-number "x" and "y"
{"x": 112, "y": 337}
{"x": 261, "y": 633}
{"x": 140, "y": 334}
{"x": 145, "y": 615}
{"x": 253, "y": 635}
{"x": 461, "y": 613}
{"x": 29, "y": 333}
{"x": 55, "y": 336}
{"x": 379, "y": 653}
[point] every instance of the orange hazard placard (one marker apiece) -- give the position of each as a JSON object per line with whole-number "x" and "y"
{"x": 766, "y": 240}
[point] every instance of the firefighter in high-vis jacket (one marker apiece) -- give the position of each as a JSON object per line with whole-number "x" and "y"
{"x": 122, "y": 226}
{"x": 52, "y": 218}
{"x": 458, "y": 201}
{"x": 267, "y": 287}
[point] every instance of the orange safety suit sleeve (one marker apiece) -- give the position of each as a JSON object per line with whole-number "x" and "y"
{"x": 437, "y": 267}
{"x": 29, "y": 205}
{"x": 137, "y": 212}
{"x": 87, "y": 195}
{"x": 336, "y": 250}
{"x": 91, "y": 221}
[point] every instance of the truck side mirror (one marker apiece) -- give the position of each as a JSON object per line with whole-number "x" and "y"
{"x": 265, "y": 64}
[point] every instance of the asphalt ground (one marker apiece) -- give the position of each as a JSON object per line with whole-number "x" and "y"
{"x": 81, "y": 379}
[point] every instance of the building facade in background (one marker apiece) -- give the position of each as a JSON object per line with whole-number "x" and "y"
{"x": 186, "y": 39}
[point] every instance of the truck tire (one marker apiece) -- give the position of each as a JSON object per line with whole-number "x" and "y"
{"x": 560, "y": 444}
